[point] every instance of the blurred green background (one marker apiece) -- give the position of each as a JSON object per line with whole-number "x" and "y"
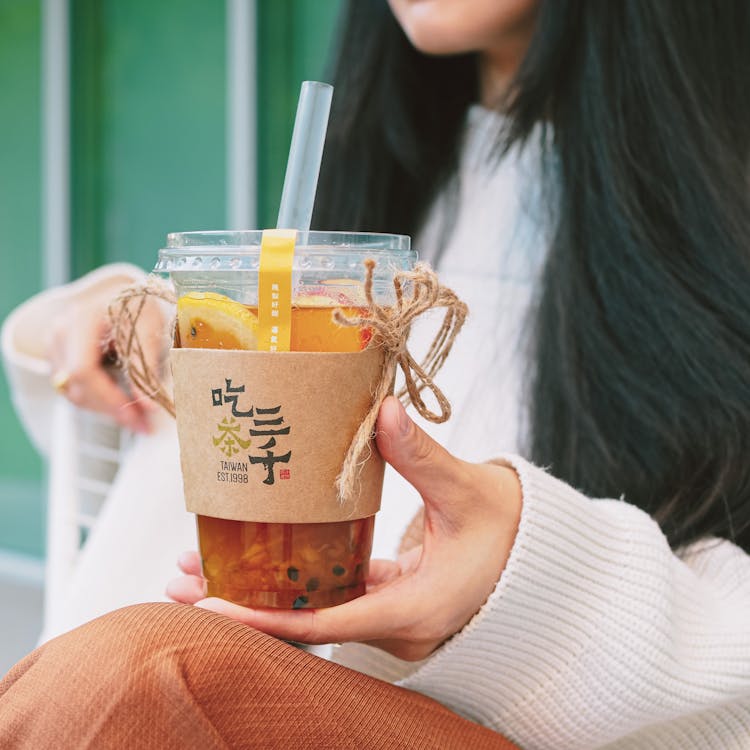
{"x": 148, "y": 149}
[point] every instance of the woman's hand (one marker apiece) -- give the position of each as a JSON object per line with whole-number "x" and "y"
{"x": 79, "y": 353}
{"x": 412, "y": 605}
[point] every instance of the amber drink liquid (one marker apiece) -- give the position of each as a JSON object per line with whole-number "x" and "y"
{"x": 287, "y": 565}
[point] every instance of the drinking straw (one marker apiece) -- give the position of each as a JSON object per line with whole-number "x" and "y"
{"x": 305, "y": 154}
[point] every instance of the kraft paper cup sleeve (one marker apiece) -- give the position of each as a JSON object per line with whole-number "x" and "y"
{"x": 263, "y": 436}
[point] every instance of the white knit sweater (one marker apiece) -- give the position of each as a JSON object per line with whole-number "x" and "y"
{"x": 596, "y": 635}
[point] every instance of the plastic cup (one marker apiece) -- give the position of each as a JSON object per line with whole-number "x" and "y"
{"x": 286, "y": 565}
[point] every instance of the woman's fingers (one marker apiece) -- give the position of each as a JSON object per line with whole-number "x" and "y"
{"x": 186, "y": 589}
{"x": 372, "y": 617}
{"x": 77, "y": 352}
{"x": 191, "y": 587}
{"x": 381, "y": 572}
{"x": 190, "y": 563}
{"x": 94, "y": 389}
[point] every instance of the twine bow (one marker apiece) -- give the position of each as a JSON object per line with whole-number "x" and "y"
{"x": 391, "y": 326}
{"x": 416, "y": 291}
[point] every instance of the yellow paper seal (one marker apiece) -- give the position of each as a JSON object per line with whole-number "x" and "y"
{"x": 275, "y": 289}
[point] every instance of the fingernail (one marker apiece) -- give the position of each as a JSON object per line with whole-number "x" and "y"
{"x": 403, "y": 419}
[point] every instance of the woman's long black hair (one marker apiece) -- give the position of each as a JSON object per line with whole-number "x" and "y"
{"x": 640, "y": 374}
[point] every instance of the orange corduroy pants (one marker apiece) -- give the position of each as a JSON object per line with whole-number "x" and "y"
{"x": 172, "y": 676}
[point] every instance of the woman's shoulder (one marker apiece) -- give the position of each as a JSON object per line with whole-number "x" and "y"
{"x": 720, "y": 561}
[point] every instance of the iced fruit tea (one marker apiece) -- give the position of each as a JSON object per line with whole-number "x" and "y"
{"x": 281, "y": 565}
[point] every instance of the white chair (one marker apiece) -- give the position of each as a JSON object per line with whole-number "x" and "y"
{"x": 86, "y": 450}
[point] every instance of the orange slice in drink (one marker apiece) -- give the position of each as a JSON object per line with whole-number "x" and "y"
{"x": 206, "y": 320}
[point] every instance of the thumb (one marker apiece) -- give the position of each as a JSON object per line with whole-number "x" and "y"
{"x": 437, "y": 475}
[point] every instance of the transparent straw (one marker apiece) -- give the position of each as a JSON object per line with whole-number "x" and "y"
{"x": 305, "y": 154}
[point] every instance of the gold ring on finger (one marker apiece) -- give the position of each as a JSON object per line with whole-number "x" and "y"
{"x": 60, "y": 381}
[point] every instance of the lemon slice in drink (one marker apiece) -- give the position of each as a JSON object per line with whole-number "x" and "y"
{"x": 207, "y": 320}
{"x": 315, "y": 300}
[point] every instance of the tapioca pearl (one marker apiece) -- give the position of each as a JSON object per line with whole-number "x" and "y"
{"x": 292, "y": 573}
{"x": 299, "y": 602}
{"x": 313, "y": 584}
{"x": 338, "y": 570}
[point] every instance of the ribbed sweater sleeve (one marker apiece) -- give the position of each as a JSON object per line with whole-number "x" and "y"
{"x": 598, "y": 633}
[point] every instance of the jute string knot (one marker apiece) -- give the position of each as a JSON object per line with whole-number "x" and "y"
{"x": 416, "y": 292}
{"x": 124, "y": 314}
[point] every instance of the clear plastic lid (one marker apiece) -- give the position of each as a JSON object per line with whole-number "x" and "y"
{"x": 233, "y": 251}
{"x": 228, "y": 262}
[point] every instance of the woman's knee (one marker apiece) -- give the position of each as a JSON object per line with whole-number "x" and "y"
{"x": 93, "y": 685}
{"x": 119, "y": 643}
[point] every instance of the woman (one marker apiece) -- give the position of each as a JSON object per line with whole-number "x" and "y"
{"x": 526, "y": 606}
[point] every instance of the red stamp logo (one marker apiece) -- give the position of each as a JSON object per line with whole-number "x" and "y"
{"x": 284, "y": 473}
